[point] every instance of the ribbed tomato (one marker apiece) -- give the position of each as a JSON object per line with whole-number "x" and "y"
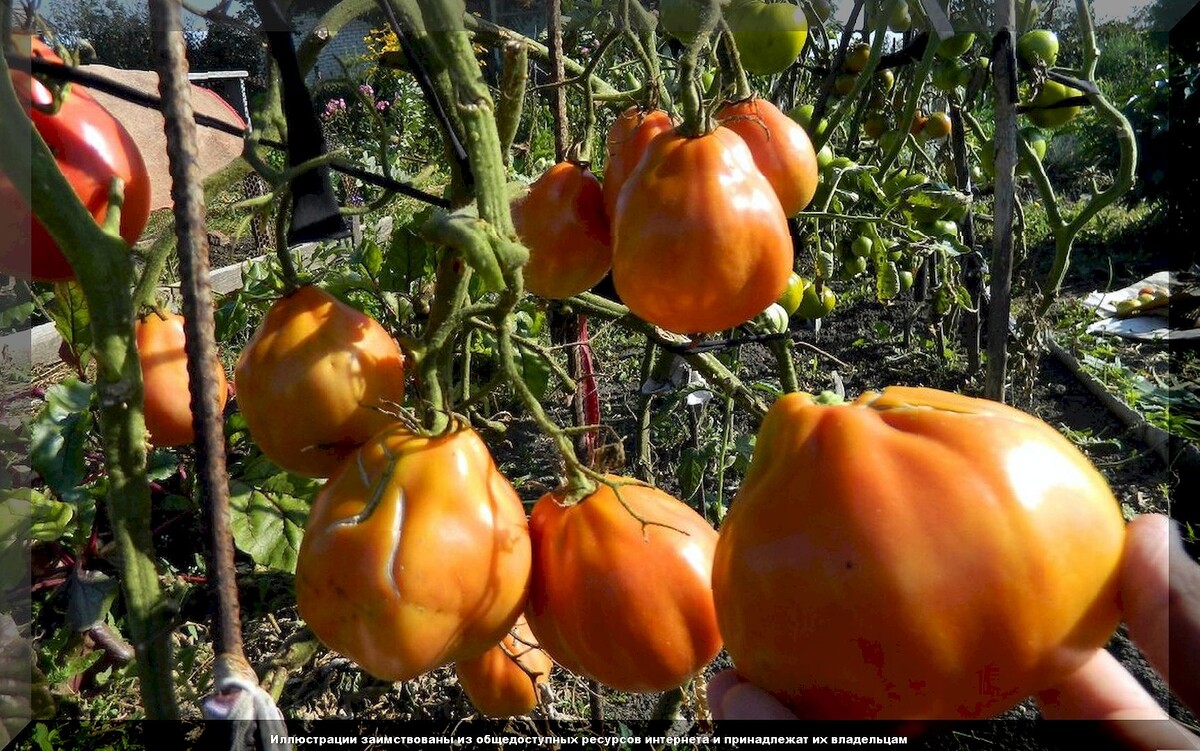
{"x": 915, "y": 555}
{"x": 626, "y": 603}
{"x": 312, "y": 380}
{"x": 504, "y": 681}
{"x": 700, "y": 241}
{"x": 627, "y": 140}
{"x": 415, "y": 554}
{"x": 91, "y": 148}
{"x": 562, "y": 221}
{"x": 782, "y": 150}
{"x": 167, "y": 407}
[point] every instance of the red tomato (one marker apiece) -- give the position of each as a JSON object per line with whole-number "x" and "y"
{"x": 625, "y": 603}
{"x": 700, "y": 241}
{"x": 415, "y": 554}
{"x": 782, "y": 150}
{"x": 313, "y": 379}
{"x": 627, "y": 141}
{"x": 91, "y": 148}
{"x": 915, "y": 555}
{"x": 168, "y": 408}
{"x": 562, "y": 221}
{"x": 504, "y": 681}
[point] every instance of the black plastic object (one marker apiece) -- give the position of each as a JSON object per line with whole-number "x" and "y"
{"x": 315, "y": 214}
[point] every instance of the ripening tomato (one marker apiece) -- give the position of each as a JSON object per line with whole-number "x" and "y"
{"x": 415, "y": 554}
{"x": 624, "y": 601}
{"x": 970, "y": 563}
{"x": 937, "y": 126}
{"x": 781, "y": 148}
{"x": 857, "y": 58}
{"x": 313, "y": 379}
{"x": 875, "y": 125}
{"x": 700, "y": 242}
{"x": 167, "y": 406}
{"x": 627, "y": 140}
{"x": 769, "y": 35}
{"x": 504, "y": 681}
{"x": 91, "y": 148}
{"x": 562, "y": 221}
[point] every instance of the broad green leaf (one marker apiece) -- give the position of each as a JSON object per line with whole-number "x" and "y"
{"x": 535, "y": 371}
{"x": 59, "y": 436}
{"x": 72, "y": 320}
{"x": 49, "y": 519}
{"x": 370, "y": 256}
{"x": 409, "y": 257}
{"x": 269, "y": 507}
{"x": 15, "y": 515}
{"x": 887, "y": 280}
{"x": 692, "y": 465}
{"x": 89, "y": 596}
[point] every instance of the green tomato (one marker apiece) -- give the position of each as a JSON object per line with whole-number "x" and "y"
{"x": 955, "y": 46}
{"x": 817, "y": 304}
{"x": 773, "y": 320}
{"x": 844, "y": 83}
{"x": 947, "y": 76}
{"x": 885, "y": 80}
{"x": 790, "y": 299}
{"x": 1037, "y": 46}
{"x": 900, "y": 20}
{"x": 861, "y": 246}
{"x": 824, "y": 156}
{"x": 854, "y": 265}
{"x": 803, "y": 114}
{"x": 769, "y": 36}
{"x": 906, "y": 280}
{"x": 1046, "y": 115}
{"x": 821, "y": 11}
{"x": 678, "y": 19}
{"x": 1038, "y": 142}
{"x": 857, "y": 58}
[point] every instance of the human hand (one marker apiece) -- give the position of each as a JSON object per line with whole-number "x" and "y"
{"x": 1158, "y": 582}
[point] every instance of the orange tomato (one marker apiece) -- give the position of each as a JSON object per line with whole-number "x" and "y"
{"x": 627, "y": 140}
{"x": 312, "y": 379}
{"x": 625, "y": 603}
{"x": 938, "y": 125}
{"x": 504, "y": 681}
{"x": 915, "y": 555}
{"x": 782, "y": 150}
{"x": 167, "y": 405}
{"x": 562, "y": 222}
{"x": 701, "y": 242}
{"x": 415, "y": 554}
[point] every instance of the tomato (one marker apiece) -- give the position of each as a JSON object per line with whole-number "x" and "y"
{"x": 937, "y": 126}
{"x": 948, "y": 75}
{"x": 312, "y": 379}
{"x": 781, "y": 148}
{"x": 844, "y": 83}
{"x": 906, "y": 280}
{"x": 625, "y": 603}
{"x": 861, "y": 246}
{"x": 901, "y": 19}
{"x": 824, "y": 156}
{"x": 821, "y": 11}
{"x": 416, "y": 554}
{"x": 955, "y": 46}
{"x": 167, "y": 405}
{"x": 918, "y": 123}
{"x": 803, "y": 114}
{"x": 853, "y": 266}
{"x": 1039, "y": 46}
{"x": 818, "y": 304}
{"x": 91, "y": 148}
{"x": 701, "y": 242}
{"x": 1045, "y": 114}
{"x": 769, "y": 36}
{"x": 773, "y": 320}
{"x": 884, "y": 80}
{"x": 504, "y": 681}
{"x": 678, "y": 19}
{"x": 971, "y": 562}
{"x": 632, "y": 131}
{"x": 790, "y": 299}
{"x": 857, "y": 58}
{"x": 562, "y": 221}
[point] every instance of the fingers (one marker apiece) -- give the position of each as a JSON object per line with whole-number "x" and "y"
{"x": 731, "y": 698}
{"x": 1160, "y": 587}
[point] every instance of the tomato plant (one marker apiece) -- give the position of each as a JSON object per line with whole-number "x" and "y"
{"x": 92, "y": 149}
{"x": 623, "y": 599}
{"x": 341, "y": 365}
{"x": 504, "y": 681}
{"x": 167, "y": 406}
{"x": 701, "y": 242}
{"x": 562, "y": 221}
{"x": 971, "y": 562}
{"x": 415, "y": 554}
{"x": 781, "y": 148}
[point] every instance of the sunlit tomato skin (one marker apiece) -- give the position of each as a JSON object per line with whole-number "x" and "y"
{"x": 1045, "y": 114}
{"x": 562, "y": 221}
{"x": 781, "y": 148}
{"x": 971, "y": 562}
{"x": 627, "y": 140}
{"x": 701, "y": 242}
{"x": 627, "y": 604}
{"x": 504, "y": 681}
{"x": 91, "y": 148}
{"x": 312, "y": 380}
{"x": 167, "y": 406}
{"x": 769, "y": 36}
{"x": 415, "y": 554}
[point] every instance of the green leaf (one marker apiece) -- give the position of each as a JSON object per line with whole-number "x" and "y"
{"x": 161, "y": 464}
{"x": 825, "y": 264}
{"x": 90, "y": 594}
{"x": 14, "y": 536}
{"x": 409, "y": 257}
{"x": 49, "y": 519}
{"x": 887, "y": 280}
{"x": 72, "y": 320}
{"x": 535, "y": 371}
{"x": 16, "y": 315}
{"x": 59, "y": 436}
{"x": 370, "y": 256}
{"x": 269, "y": 507}
{"x": 692, "y": 465}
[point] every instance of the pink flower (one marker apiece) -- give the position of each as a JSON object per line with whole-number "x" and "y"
{"x": 383, "y": 105}
{"x": 366, "y": 90}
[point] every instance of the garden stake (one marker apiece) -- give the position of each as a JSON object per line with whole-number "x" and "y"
{"x": 238, "y": 695}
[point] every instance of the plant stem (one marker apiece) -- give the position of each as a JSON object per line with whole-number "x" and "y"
{"x": 512, "y": 94}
